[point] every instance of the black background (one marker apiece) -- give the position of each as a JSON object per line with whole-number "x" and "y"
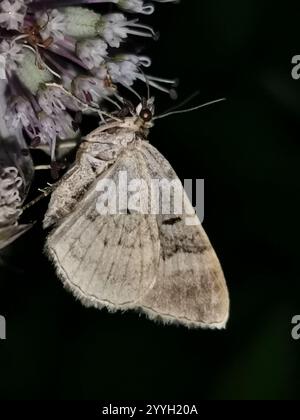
{"x": 248, "y": 151}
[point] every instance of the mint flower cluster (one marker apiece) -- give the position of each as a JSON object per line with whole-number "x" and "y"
{"x": 58, "y": 59}
{"x": 45, "y": 46}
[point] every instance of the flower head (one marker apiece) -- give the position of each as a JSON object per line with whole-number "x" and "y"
{"x": 12, "y": 14}
{"x": 58, "y": 59}
{"x": 50, "y": 43}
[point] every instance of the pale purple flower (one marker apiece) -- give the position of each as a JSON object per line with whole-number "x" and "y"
{"x": 11, "y": 54}
{"x": 92, "y": 52}
{"x": 91, "y": 89}
{"x": 52, "y": 23}
{"x": 10, "y": 199}
{"x": 58, "y": 59}
{"x": 12, "y": 14}
{"x": 49, "y": 47}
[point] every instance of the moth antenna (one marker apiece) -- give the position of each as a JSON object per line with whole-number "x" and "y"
{"x": 184, "y": 102}
{"x": 184, "y": 111}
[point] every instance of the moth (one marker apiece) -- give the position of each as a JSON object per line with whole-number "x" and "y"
{"x": 154, "y": 263}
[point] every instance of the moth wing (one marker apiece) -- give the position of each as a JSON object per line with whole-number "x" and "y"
{"x": 190, "y": 287}
{"x": 106, "y": 260}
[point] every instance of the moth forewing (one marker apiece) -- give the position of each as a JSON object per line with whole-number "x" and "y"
{"x": 106, "y": 260}
{"x": 135, "y": 255}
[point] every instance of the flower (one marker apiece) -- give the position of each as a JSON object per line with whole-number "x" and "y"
{"x": 125, "y": 69}
{"x": 11, "y": 188}
{"x": 92, "y": 52}
{"x": 16, "y": 172}
{"x": 57, "y": 60}
{"x": 12, "y": 14}
{"x": 11, "y": 184}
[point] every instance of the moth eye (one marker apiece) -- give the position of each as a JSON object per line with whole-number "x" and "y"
{"x": 146, "y": 115}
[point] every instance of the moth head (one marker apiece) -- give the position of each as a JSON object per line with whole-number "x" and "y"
{"x": 145, "y": 111}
